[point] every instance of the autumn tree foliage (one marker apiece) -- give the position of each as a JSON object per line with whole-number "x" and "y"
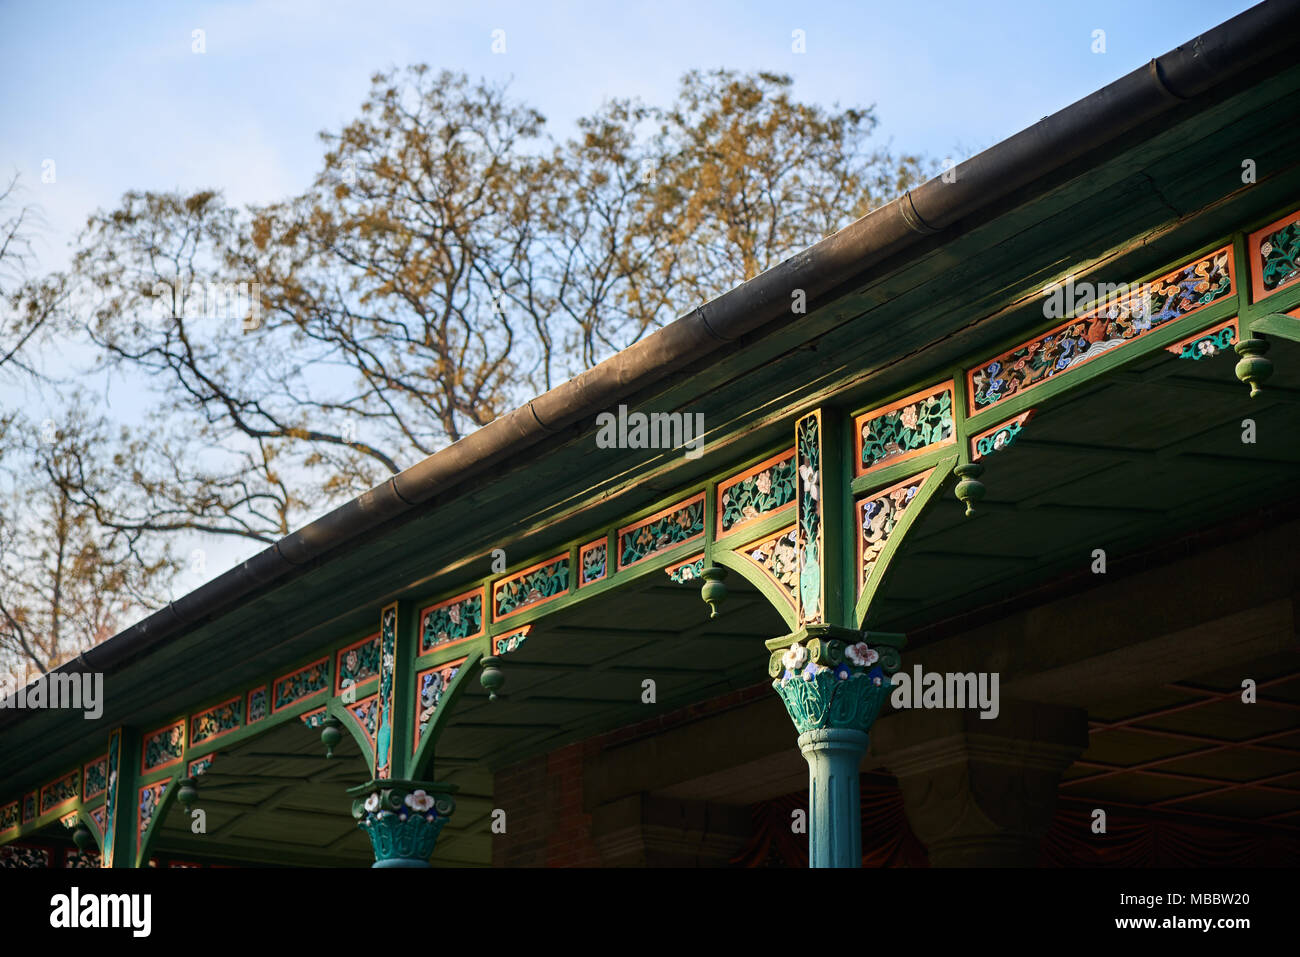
{"x": 451, "y": 259}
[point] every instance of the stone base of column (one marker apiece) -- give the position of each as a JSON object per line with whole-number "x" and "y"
{"x": 981, "y": 793}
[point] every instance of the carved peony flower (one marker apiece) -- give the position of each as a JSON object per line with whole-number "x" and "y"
{"x": 861, "y": 654}
{"x": 372, "y": 802}
{"x": 419, "y": 801}
{"x": 795, "y": 657}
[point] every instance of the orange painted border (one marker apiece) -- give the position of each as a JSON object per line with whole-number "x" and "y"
{"x": 85, "y": 778}
{"x": 144, "y": 746}
{"x": 1177, "y": 347}
{"x": 736, "y": 480}
{"x": 690, "y": 561}
{"x": 310, "y": 714}
{"x": 525, "y": 630}
{"x": 419, "y": 675}
{"x": 338, "y": 662}
{"x": 582, "y": 555}
{"x": 1022, "y": 418}
{"x": 17, "y": 806}
{"x": 40, "y": 798}
{"x": 297, "y": 671}
{"x": 189, "y": 768}
{"x": 860, "y": 504}
{"x": 248, "y": 704}
{"x": 1253, "y": 243}
{"x": 481, "y": 591}
{"x": 972, "y": 411}
{"x": 948, "y": 385}
{"x": 675, "y": 507}
{"x": 243, "y": 721}
{"x": 519, "y": 574}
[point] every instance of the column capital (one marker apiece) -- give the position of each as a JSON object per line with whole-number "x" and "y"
{"x": 402, "y": 818}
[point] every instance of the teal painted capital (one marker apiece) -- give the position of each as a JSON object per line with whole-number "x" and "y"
{"x": 402, "y": 819}
{"x": 832, "y": 698}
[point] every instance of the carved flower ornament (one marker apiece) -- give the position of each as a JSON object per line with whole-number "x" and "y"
{"x": 861, "y": 654}
{"x": 795, "y": 657}
{"x": 419, "y": 801}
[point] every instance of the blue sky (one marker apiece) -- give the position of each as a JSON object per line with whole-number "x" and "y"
{"x": 114, "y": 94}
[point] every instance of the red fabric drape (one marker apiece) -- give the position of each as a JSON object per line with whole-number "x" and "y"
{"x": 1160, "y": 842}
{"x": 887, "y": 840}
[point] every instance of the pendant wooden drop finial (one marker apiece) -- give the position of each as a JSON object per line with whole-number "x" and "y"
{"x": 969, "y": 490}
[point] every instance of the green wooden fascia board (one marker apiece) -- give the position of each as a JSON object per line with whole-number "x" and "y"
{"x": 759, "y": 528}
{"x": 880, "y": 570}
{"x": 893, "y": 474}
{"x": 704, "y": 544}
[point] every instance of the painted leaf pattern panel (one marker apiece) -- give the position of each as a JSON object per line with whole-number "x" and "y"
{"x": 927, "y": 421}
{"x": 1280, "y": 255}
{"x": 679, "y": 525}
{"x": 758, "y": 494}
{"x": 593, "y": 562}
{"x": 528, "y": 588}
{"x": 452, "y": 621}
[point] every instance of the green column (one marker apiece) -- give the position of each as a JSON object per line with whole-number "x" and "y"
{"x": 834, "y": 802}
{"x": 833, "y": 682}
